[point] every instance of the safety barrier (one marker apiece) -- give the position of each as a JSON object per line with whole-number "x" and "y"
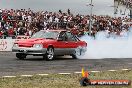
{"x": 8, "y": 37}
{"x": 6, "y": 44}
{"x": 14, "y": 37}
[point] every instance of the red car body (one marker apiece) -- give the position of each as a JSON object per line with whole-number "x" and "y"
{"x": 50, "y": 43}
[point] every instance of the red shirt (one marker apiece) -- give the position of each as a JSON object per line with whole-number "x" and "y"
{"x": 10, "y": 31}
{"x": 1, "y": 33}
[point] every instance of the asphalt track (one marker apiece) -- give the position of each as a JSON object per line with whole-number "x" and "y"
{"x": 10, "y": 65}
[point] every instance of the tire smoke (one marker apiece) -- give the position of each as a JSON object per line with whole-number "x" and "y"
{"x": 108, "y": 46}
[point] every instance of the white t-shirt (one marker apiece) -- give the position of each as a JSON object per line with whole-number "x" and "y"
{"x": 50, "y": 19}
{"x": 30, "y": 32}
{"x": 23, "y": 17}
{"x": 56, "y": 19}
{"x": 65, "y": 18}
{"x": 0, "y": 11}
{"x": 45, "y": 23}
{"x": 0, "y": 24}
{"x": 29, "y": 18}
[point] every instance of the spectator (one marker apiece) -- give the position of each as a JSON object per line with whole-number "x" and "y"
{"x": 27, "y": 22}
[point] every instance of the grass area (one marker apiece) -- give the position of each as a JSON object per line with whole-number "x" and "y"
{"x": 62, "y": 81}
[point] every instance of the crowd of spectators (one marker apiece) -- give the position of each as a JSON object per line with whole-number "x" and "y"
{"x": 27, "y": 22}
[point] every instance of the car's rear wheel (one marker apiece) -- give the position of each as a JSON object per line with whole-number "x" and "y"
{"x": 79, "y": 52}
{"x": 49, "y": 54}
{"x": 21, "y": 56}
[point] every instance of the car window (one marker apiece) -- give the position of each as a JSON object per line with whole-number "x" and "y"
{"x": 46, "y": 34}
{"x": 70, "y": 36}
{"x": 63, "y": 36}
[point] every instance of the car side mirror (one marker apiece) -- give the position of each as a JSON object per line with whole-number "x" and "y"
{"x": 60, "y": 39}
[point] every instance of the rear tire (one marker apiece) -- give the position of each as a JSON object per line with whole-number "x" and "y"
{"x": 49, "y": 56}
{"x": 79, "y": 51}
{"x": 21, "y": 56}
{"x": 74, "y": 56}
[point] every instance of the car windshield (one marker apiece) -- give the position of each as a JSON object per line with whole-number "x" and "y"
{"x": 46, "y": 34}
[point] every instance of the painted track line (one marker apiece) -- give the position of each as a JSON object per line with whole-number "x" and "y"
{"x": 64, "y": 73}
{"x": 95, "y": 71}
{"x": 26, "y": 75}
{"x": 42, "y": 74}
{"x": 125, "y": 69}
{"x": 77, "y": 72}
{"x": 112, "y": 70}
{"x": 8, "y": 76}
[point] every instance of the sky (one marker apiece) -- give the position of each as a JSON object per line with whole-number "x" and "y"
{"x": 101, "y": 7}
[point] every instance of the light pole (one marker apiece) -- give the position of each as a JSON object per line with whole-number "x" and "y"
{"x": 90, "y": 19}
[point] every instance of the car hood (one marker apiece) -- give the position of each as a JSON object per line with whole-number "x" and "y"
{"x": 31, "y": 42}
{"x": 37, "y": 40}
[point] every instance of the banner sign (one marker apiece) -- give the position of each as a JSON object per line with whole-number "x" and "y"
{"x": 6, "y": 44}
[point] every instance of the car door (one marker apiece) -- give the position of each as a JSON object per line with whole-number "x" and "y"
{"x": 62, "y": 45}
{"x": 72, "y": 42}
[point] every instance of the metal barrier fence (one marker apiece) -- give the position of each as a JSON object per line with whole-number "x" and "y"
{"x": 8, "y": 37}
{"x": 14, "y": 37}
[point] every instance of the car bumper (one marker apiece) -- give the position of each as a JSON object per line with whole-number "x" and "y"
{"x": 30, "y": 51}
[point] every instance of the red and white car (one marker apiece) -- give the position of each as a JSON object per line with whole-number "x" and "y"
{"x": 50, "y": 43}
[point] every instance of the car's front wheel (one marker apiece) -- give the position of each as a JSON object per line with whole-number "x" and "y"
{"x": 21, "y": 56}
{"x": 49, "y": 54}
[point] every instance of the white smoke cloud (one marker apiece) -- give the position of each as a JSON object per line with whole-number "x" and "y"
{"x": 113, "y": 47}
